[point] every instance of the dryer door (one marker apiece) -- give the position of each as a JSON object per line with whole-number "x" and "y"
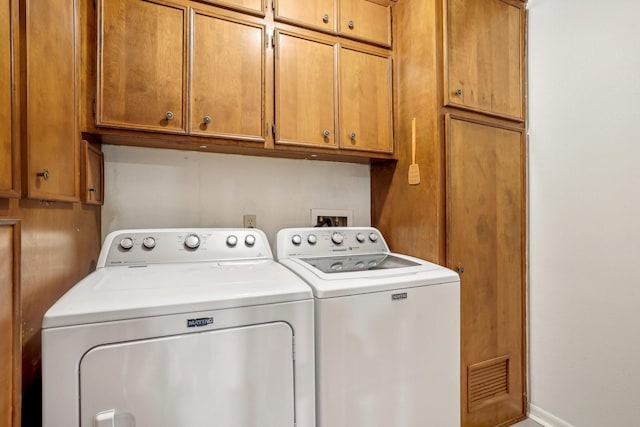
{"x": 238, "y": 377}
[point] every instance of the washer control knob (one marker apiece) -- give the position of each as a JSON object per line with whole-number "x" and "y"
{"x": 250, "y": 240}
{"x": 232, "y": 241}
{"x": 336, "y": 266}
{"x": 337, "y": 238}
{"x": 360, "y": 237}
{"x": 192, "y": 241}
{"x": 296, "y": 239}
{"x": 126, "y": 243}
{"x": 312, "y": 239}
{"x": 372, "y": 264}
{"x": 149, "y": 242}
{"x": 360, "y": 264}
{"x": 373, "y": 237}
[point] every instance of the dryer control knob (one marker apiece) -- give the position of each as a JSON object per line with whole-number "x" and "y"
{"x": 192, "y": 241}
{"x": 250, "y": 240}
{"x": 232, "y": 241}
{"x": 360, "y": 237}
{"x": 312, "y": 239}
{"x": 373, "y": 237}
{"x": 337, "y": 238}
{"x": 149, "y": 242}
{"x": 126, "y": 243}
{"x": 296, "y": 239}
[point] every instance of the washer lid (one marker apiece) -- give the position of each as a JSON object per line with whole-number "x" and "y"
{"x": 127, "y": 292}
{"x": 402, "y": 272}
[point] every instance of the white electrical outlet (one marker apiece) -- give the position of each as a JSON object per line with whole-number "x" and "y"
{"x": 331, "y": 217}
{"x": 249, "y": 221}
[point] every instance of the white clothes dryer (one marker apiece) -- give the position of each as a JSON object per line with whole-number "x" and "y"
{"x": 387, "y": 330}
{"x": 181, "y": 327}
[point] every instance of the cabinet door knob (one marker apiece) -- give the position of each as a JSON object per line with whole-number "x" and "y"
{"x": 168, "y": 115}
{"x": 93, "y": 189}
{"x": 325, "y": 18}
{"x": 326, "y": 133}
{"x": 353, "y": 136}
{"x": 44, "y": 174}
{"x": 350, "y": 23}
{"x": 458, "y": 92}
{"x": 206, "y": 120}
{"x": 460, "y": 269}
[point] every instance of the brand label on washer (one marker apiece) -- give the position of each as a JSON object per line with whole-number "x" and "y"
{"x": 399, "y": 296}
{"x": 196, "y": 323}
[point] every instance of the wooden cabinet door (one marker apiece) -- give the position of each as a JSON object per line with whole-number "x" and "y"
{"x": 92, "y": 174}
{"x": 142, "y": 48}
{"x": 9, "y": 324}
{"x": 227, "y": 78}
{"x": 365, "y": 101}
{"x": 305, "y": 91}
{"x": 250, "y": 6}
{"x": 314, "y": 14}
{"x": 52, "y": 134}
{"x": 484, "y": 48}
{"x": 486, "y": 244}
{"x": 366, "y": 20}
{"x": 8, "y": 147}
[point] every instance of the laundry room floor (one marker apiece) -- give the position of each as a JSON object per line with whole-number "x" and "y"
{"x": 527, "y": 423}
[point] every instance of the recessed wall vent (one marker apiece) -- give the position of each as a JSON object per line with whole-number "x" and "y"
{"x": 487, "y": 382}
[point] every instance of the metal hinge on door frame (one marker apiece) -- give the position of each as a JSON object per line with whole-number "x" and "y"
{"x": 273, "y": 5}
{"x": 273, "y": 128}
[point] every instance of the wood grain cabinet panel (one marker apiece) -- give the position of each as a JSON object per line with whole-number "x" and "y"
{"x": 365, "y": 101}
{"x": 484, "y": 48}
{"x": 366, "y": 21}
{"x": 249, "y": 6}
{"x": 305, "y": 91}
{"x": 486, "y": 245}
{"x": 92, "y": 174}
{"x": 314, "y": 14}
{"x": 8, "y": 146}
{"x": 227, "y": 78}
{"x": 9, "y": 324}
{"x": 52, "y": 136}
{"x": 142, "y": 48}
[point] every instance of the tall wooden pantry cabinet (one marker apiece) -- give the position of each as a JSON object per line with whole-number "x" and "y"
{"x": 460, "y": 72}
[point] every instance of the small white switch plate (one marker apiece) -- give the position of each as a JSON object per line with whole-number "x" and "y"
{"x": 249, "y": 221}
{"x": 331, "y": 217}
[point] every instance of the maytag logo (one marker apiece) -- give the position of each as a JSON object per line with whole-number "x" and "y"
{"x": 196, "y": 323}
{"x": 399, "y": 296}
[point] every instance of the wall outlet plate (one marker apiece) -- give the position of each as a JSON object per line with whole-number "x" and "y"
{"x": 331, "y": 218}
{"x": 249, "y": 221}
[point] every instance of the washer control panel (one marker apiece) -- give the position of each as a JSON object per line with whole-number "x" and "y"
{"x": 325, "y": 241}
{"x": 162, "y": 246}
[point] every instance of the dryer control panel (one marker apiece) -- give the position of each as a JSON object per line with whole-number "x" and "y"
{"x": 162, "y": 246}
{"x": 329, "y": 241}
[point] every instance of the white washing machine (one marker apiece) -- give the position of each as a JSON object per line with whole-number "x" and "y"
{"x": 387, "y": 330}
{"x": 176, "y": 327}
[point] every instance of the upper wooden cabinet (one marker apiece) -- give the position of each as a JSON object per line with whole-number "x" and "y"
{"x": 143, "y": 59}
{"x": 142, "y": 49}
{"x": 484, "y": 56}
{"x": 365, "y": 20}
{"x": 227, "y": 75}
{"x": 249, "y": 6}
{"x": 9, "y": 154}
{"x": 52, "y": 137}
{"x": 365, "y": 101}
{"x": 305, "y": 91}
{"x": 314, "y": 14}
{"x": 362, "y": 20}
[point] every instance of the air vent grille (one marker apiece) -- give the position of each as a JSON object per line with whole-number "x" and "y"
{"x": 487, "y": 382}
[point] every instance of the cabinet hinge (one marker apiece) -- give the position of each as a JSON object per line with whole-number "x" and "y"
{"x": 93, "y": 108}
{"x": 273, "y": 129}
{"x": 273, "y": 5}
{"x": 273, "y": 40}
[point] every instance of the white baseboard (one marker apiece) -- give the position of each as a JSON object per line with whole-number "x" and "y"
{"x": 545, "y": 418}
